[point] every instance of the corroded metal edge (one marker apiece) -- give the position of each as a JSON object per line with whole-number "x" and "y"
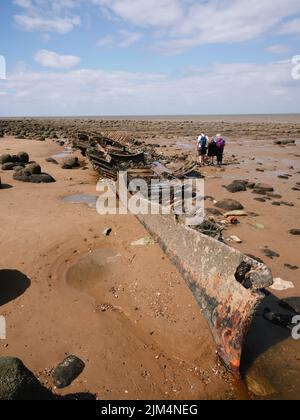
{"x": 208, "y": 267}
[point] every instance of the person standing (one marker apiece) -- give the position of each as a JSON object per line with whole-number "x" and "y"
{"x": 220, "y": 146}
{"x": 212, "y": 151}
{"x": 202, "y": 147}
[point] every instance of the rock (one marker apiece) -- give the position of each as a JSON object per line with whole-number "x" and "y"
{"x": 295, "y": 232}
{"x": 210, "y": 229}
{"x": 258, "y": 226}
{"x": 229, "y": 205}
{"x": 18, "y": 383}
{"x": 270, "y": 254}
{"x": 5, "y": 158}
{"x": 214, "y": 212}
{"x": 236, "y": 213}
{"x": 283, "y": 177}
{"x": 51, "y": 160}
{"x": 253, "y": 257}
{"x": 107, "y": 232}
{"x": 284, "y": 142}
{"x": 281, "y": 285}
{"x": 70, "y": 163}
{"x": 41, "y": 179}
{"x": 260, "y": 199}
{"x": 272, "y": 195}
{"x": 24, "y": 175}
{"x": 264, "y": 187}
{"x": 33, "y": 168}
{"x": 9, "y": 166}
{"x": 291, "y": 267}
{"x": 259, "y": 385}
{"x": 67, "y": 371}
{"x": 235, "y": 239}
{"x": 236, "y": 186}
{"x": 23, "y": 157}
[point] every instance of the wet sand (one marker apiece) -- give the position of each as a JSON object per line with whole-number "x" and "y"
{"x": 128, "y": 315}
{"x": 270, "y": 362}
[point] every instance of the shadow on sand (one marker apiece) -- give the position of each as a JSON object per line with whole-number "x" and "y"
{"x": 264, "y": 335}
{"x": 13, "y": 284}
{"x": 6, "y": 186}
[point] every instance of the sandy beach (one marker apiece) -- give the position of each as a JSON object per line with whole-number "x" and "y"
{"x": 125, "y": 310}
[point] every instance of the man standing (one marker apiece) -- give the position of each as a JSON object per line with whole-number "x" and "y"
{"x": 202, "y": 147}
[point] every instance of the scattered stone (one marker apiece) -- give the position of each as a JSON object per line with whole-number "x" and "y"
{"x": 270, "y": 254}
{"x": 211, "y": 229}
{"x": 283, "y": 177}
{"x": 236, "y": 239}
{"x": 70, "y": 163}
{"x": 295, "y": 232}
{"x": 67, "y": 371}
{"x": 237, "y": 213}
{"x": 258, "y": 385}
{"x": 107, "y": 232}
{"x": 258, "y": 226}
{"x": 18, "y": 383}
{"x": 229, "y": 205}
{"x": 23, "y": 157}
{"x": 281, "y": 285}
{"x": 5, "y": 159}
{"x": 291, "y": 267}
{"x": 284, "y": 142}
{"x": 9, "y": 166}
{"x": 264, "y": 187}
{"x": 41, "y": 179}
{"x": 237, "y": 186}
{"x": 272, "y": 195}
{"x": 214, "y": 212}
{"x": 51, "y": 160}
{"x": 34, "y": 169}
{"x": 260, "y": 199}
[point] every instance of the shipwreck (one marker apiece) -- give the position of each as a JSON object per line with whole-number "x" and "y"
{"x": 227, "y": 285}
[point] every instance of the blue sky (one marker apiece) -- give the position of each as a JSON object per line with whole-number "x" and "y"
{"x": 139, "y": 57}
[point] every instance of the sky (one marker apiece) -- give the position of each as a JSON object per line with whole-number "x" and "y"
{"x": 149, "y": 57}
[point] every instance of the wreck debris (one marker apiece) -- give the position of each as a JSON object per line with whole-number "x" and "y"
{"x": 226, "y": 284}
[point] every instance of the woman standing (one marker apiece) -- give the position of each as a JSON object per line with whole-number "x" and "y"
{"x": 212, "y": 151}
{"x": 220, "y": 146}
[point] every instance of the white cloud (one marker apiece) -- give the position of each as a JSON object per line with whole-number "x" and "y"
{"x": 231, "y": 88}
{"x": 53, "y": 60}
{"x": 182, "y": 24}
{"x": 123, "y": 39}
{"x": 291, "y": 27}
{"x": 47, "y": 16}
{"x": 278, "y": 49}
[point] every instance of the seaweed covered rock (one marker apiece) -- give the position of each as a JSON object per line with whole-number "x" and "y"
{"x": 23, "y": 157}
{"x": 6, "y": 158}
{"x": 229, "y": 204}
{"x": 70, "y": 163}
{"x": 33, "y": 168}
{"x": 18, "y": 383}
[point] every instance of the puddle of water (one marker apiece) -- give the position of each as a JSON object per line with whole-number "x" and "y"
{"x": 95, "y": 274}
{"x": 65, "y": 153}
{"x": 90, "y": 200}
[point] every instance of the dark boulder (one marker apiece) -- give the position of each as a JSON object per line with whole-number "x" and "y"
{"x": 33, "y": 168}
{"x": 67, "y": 371}
{"x": 70, "y": 163}
{"x": 229, "y": 204}
{"x": 237, "y": 186}
{"x": 5, "y": 158}
{"x": 23, "y": 157}
{"x": 18, "y": 383}
{"x": 295, "y": 232}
